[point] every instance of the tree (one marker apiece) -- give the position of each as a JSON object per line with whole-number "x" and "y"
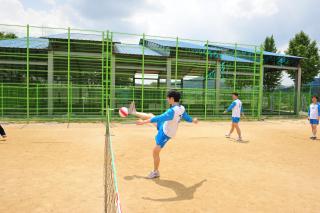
{"x": 301, "y": 45}
{"x": 271, "y": 78}
{"x": 4, "y": 35}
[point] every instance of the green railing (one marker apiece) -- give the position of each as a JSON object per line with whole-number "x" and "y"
{"x": 71, "y": 74}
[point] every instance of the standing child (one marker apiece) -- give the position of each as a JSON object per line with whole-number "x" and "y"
{"x": 3, "y": 133}
{"x": 237, "y": 110}
{"x": 166, "y": 123}
{"x": 313, "y": 116}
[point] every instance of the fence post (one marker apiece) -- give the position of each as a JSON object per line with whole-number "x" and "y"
{"x": 235, "y": 68}
{"x": 206, "y": 82}
{"x": 1, "y": 99}
{"x": 28, "y": 55}
{"x": 37, "y": 99}
{"x": 107, "y": 75}
{"x": 254, "y": 81}
{"x": 102, "y": 77}
{"x": 69, "y": 94}
{"x": 176, "y": 68}
{"x": 279, "y": 102}
{"x": 260, "y": 83}
{"x": 142, "y": 86}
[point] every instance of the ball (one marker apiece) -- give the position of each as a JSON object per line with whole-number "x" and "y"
{"x": 123, "y": 112}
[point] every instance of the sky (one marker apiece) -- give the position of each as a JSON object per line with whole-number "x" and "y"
{"x": 242, "y": 21}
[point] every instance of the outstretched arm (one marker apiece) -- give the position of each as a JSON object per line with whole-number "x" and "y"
{"x": 188, "y": 118}
{"x": 232, "y": 105}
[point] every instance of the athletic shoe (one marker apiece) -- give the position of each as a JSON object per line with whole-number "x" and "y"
{"x": 154, "y": 174}
{"x": 239, "y": 139}
{"x": 227, "y": 135}
{"x": 132, "y": 108}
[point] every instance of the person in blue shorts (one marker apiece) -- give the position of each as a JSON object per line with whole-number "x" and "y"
{"x": 237, "y": 110}
{"x": 313, "y": 116}
{"x": 166, "y": 123}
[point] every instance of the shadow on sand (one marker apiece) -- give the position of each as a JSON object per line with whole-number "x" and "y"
{"x": 182, "y": 192}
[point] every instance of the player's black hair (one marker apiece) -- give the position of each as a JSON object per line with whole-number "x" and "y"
{"x": 236, "y": 94}
{"x": 174, "y": 94}
{"x": 314, "y": 96}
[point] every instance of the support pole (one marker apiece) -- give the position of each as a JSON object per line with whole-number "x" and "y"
{"x": 2, "y": 100}
{"x": 260, "y": 84}
{"x": 168, "y": 73}
{"x": 235, "y": 68}
{"x": 102, "y": 72}
{"x": 176, "y": 69}
{"x": 254, "y": 82}
{"x": 112, "y": 76}
{"x": 28, "y": 59}
{"x": 298, "y": 90}
{"x": 37, "y": 98}
{"x": 69, "y": 93}
{"x": 206, "y": 81}
{"x": 218, "y": 80}
{"x": 107, "y": 75}
{"x": 142, "y": 86}
{"x": 50, "y": 82}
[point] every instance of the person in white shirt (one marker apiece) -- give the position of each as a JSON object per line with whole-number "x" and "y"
{"x": 313, "y": 116}
{"x": 166, "y": 123}
{"x": 237, "y": 110}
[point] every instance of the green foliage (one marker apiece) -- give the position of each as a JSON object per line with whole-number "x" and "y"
{"x": 272, "y": 77}
{"x": 4, "y": 35}
{"x": 301, "y": 45}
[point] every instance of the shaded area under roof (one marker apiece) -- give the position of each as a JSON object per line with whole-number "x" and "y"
{"x": 134, "y": 50}
{"x": 34, "y": 43}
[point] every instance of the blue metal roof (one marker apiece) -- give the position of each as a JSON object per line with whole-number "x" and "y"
{"x": 252, "y": 50}
{"x": 134, "y": 50}
{"x": 181, "y": 44}
{"x": 225, "y": 57}
{"x": 34, "y": 43}
{"x": 76, "y": 36}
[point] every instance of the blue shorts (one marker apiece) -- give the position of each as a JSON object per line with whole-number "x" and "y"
{"x": 314, "y": 121}
{"x": 235, "y": 120}
{"x": 161, "y": 138}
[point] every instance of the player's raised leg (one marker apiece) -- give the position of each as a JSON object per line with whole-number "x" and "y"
{"x": 141, "y": 115}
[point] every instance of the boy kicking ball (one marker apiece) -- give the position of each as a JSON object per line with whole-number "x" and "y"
{"x": 313, "y": 116}
{"x": 166, "y": 123}
{"x": 237, "y": 110}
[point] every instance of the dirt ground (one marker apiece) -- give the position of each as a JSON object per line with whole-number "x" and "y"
{"x": 277, "y": 169}
{"x": 52, "y": 168}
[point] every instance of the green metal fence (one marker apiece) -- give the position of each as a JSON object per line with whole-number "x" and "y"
{"x": 71, "y": 74}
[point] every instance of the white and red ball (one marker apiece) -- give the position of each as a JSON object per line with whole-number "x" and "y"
{"x": 123, "y": 112}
